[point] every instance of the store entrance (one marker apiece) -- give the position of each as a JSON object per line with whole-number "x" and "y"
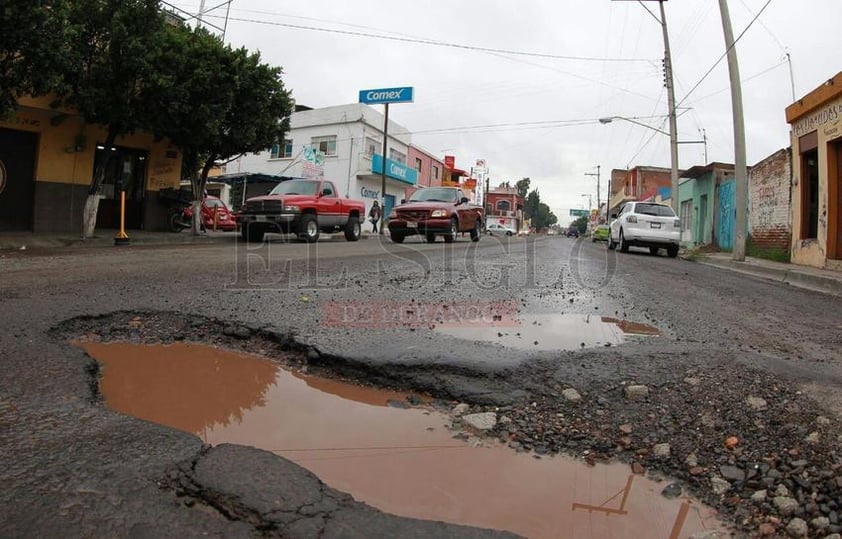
{"x": 126, "y": 171}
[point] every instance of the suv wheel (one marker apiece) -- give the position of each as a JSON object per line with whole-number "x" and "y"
{"x": 672, "y": 251}
{"x": 621, "y": 243}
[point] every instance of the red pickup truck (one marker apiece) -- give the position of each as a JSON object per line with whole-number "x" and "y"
{"x": 432, "y": 211}
{"x": 304, "y": 207}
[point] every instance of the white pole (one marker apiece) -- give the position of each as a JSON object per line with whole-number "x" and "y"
{"x": 672, "y": 117}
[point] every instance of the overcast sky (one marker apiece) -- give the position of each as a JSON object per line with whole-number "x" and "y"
{"x": 535, "y": 114}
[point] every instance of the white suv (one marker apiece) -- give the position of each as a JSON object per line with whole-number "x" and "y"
{"x": 645, "y": 224}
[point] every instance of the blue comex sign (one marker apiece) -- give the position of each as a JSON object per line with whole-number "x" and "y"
{"x": 394, "y": 170}
{"x": 386, "y": 95}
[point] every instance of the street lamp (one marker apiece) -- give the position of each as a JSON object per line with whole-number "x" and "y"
{"x": 610, "y": 119}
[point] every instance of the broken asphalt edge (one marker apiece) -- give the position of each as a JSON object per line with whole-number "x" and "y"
{"x": 790, "y": 276}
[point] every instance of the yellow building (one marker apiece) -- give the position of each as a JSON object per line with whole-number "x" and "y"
{"x": 47, "y": 159}
{"x": 816, "y": 131}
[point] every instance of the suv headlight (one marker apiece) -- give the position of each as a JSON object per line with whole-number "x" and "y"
{"x": 393, "y": 215}
{"x": 291, "y": 209}
{"x": 439, "y": 213}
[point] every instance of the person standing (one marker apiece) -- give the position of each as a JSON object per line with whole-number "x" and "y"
{"x": 374, "y": 215}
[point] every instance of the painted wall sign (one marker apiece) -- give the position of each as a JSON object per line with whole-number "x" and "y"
{"x": 394, "y": 170}
{"x": 833, "y": 130}
{"x": 2, "y": 177}
{"x": 826, "y": 114}
{"x": 387, "y": 95}
{"x": 365, "y": 192}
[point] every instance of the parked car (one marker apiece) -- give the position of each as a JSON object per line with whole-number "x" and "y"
{"x": 496, "y": 229}
{"x": 211, "y": 205}
{"x": 304, "y": 207}
{"x": 600, "y": 233}
{"x": 645, "y": 224}
{"x": 432, "y": 211}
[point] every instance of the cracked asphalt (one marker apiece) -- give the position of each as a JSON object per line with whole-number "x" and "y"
{"x": 71, "y": 467}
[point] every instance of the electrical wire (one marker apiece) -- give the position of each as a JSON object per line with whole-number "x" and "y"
{"x": 438, "y": 43}
{"x": 734, "y": 44}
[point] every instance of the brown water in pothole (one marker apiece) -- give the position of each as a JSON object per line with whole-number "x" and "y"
{"x": 554, "y": 332}
{"x": 402, "y": 461}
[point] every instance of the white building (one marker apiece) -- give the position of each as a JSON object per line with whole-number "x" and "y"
{"x": 349, "y": 144}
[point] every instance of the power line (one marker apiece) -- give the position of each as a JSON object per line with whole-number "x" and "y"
{"x": 440, "y": 43}
{"x": 725, "y": 53}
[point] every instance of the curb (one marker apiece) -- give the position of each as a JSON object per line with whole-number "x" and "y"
{"x": 792, "y": 277}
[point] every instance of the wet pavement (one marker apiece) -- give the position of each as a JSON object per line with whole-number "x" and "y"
{"x": 402, "y": 460}
{"x": 554, "y": 331}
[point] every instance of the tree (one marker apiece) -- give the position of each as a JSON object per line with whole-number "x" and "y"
{"x": 220, "y": 104}
{"x": 110, "y": 46}
{"x": 581, "y": 224}
{"x": 531, "y": 204}
{"x": 544, "y": 218}
{"x": 31, "y": 49}
{"x": 522, "y": 187}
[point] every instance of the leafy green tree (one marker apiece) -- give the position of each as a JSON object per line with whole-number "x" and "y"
{"x": 531, "y": 204}
{"x": 110, "y": 46}
{"x": 31, "y": 49}
{"x": 219, "y": 103}
{"x": 581, "y": 224}
{"x": 522, "y": 187}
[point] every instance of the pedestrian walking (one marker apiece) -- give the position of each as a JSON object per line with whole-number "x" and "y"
{"x": 374, "y": 216}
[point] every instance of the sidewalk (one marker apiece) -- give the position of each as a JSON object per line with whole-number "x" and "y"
{"x": 22, "y": 241}
{"x": 827, "y": 281}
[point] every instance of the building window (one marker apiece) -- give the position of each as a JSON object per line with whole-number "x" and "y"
{"x": 397, "y": 156}
{"x": 418, "y": 164}
{"x": 503, "y": 206}
{"x": 371, "y": 146}
{"x": 326, "y": 145}
{"x": 281, "y": 151}
{"x": 810, "y": 194}
{"x": 435, "y": 172}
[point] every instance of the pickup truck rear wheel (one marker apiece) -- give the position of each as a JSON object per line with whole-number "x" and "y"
{"x": 450, "y": 237}
{"x": 353, "y": 229}
{"x": 308, "y": 228}
{"x": 431, "y": 238}
{"x": 397, "y": 237}
{"x": 476, "y": 231}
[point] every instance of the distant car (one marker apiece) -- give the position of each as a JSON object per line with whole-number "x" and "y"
{"x": 495, "y": 229}
{"x": 572, "y": 232}
{"x": 645, "y": 224}
{"x": 600, "y": 233}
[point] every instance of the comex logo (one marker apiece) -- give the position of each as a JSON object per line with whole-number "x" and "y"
{"x": 2, "y": 177}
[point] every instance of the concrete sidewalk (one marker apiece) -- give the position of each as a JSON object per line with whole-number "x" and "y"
{"x": 21, "y": 241}
{"x": 827, "y": 281}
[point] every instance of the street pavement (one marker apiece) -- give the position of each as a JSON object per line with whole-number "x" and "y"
{"x": 71, "y": 467}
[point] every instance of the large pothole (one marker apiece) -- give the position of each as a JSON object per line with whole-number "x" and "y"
{"x": 405, "y": 459}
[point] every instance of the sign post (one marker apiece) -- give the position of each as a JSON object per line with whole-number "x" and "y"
{"x": 385, "y": 96}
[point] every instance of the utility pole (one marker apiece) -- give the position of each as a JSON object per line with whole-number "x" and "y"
{"x": 597, "y": 184}
{"x": 383, "y": 171}
{"x": 741, "y": 195}
{"x": 671, "y": 105}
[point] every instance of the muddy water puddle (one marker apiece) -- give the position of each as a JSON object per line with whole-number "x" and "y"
{"x": 555, "y": 332}
{"x": 402, "y": 461}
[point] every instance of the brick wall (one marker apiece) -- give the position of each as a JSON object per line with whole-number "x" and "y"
{"x": 770, "y": 215}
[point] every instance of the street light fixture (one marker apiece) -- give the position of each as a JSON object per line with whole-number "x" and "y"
{"x": 610, "y": 119}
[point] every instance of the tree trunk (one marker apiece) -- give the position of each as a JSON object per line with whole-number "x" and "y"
{"x": 199, "y": 182}
{"x": 89, "y": 216}
{"x": 92, "y": 203}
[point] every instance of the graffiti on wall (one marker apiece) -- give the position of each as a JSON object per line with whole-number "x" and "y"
{"x": 725, "y": 217}
{"x": 765, "y": 204}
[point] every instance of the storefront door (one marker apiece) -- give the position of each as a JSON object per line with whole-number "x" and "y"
{"x": 834, "y": 214}
{"x": 17, "y": 179}
{"x": 126, "y": 171}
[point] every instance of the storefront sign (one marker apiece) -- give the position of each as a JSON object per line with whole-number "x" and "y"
{"x": 2, "y": 177}
{"x": 394, "y": 170}
{"x": 807, "y": 124}
{"x": 365, "y": 192}
{"x": 449, "y": 161}
{"x": 833, "y": 130}
{"x": 386, "y": 95}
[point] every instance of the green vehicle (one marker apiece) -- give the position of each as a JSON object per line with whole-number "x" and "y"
{"x": 600, "y": 233}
